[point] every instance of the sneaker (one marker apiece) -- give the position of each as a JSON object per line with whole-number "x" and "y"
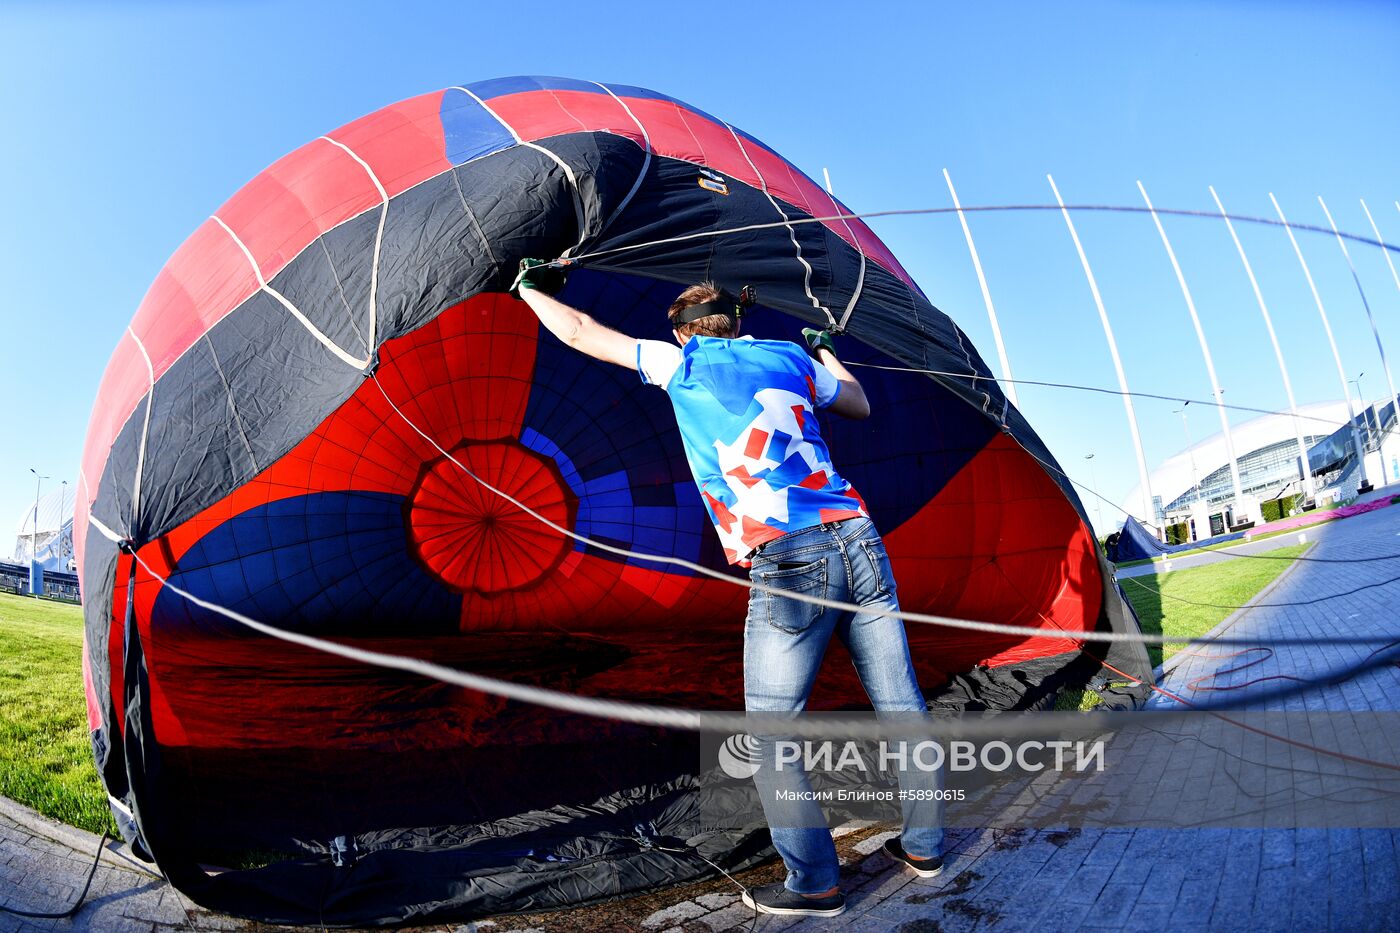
{"x": 923, "y": 867}
{"x": 777, "y": 899}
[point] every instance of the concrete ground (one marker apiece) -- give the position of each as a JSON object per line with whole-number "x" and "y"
{"x": 43, "y": 865}
{"x": 1120, "y": 880}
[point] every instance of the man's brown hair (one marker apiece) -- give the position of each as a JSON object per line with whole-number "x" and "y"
{"x": 712, "y": 325}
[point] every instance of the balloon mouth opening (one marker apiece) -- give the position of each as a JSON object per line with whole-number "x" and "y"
{"x": 475, "y": 540}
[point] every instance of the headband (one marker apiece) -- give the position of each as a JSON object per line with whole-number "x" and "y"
{"x": 725, "y": 304}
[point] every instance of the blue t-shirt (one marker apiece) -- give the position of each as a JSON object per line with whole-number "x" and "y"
{"x": 745, "y": 409}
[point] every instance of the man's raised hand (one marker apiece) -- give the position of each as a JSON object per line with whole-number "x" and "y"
{"x": 540, "y": 275}
{"x": 818, "y": 340}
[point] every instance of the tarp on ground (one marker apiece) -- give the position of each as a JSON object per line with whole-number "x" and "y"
{"x": 1135, "y": 542}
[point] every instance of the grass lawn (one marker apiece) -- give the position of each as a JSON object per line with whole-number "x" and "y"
{"x": 1161, "y": 600}
{"x": 1161, "y": 610}
{"x": 45, "y": 755}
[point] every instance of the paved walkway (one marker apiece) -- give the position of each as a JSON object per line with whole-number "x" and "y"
{"x": 1009, "y": 880}
{"x": 42, "y": 868}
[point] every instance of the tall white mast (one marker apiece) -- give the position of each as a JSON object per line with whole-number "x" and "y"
{"x": 1205, "y": 354}
{"x": 1385, "y": 251}
{"x": 1008, "y": 386}
{"x": 1380, "y": 348}
{"x": 1327, "y": 326}
{"x": 1149, "y": 513}
{"x": 1309, "y": 487}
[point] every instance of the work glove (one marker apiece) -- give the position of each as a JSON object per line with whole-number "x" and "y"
{"x": 540, "y": 275}
{"x": 818, "y": 340}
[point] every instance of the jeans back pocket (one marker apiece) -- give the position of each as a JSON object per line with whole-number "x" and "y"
{"x": 880, "y": 582}
{"x": 792, "y": 615}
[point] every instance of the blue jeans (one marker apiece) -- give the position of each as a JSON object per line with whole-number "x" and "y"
{"x": 784, "y": 642}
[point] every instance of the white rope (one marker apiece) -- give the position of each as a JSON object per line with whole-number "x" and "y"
{"x": 855, "y": 241}
{"x": 540, "y": 696}
{"x": 647, "y": 714}
{"x": 1068, "y": 385}
{"x": 660, "y": 716}
{"x": 995, "y": 628}
{"x": 1061, "y": 385}
{"x": 145, "y": 435}
{"x": 792, "y": 232}
{"x": 922, "y": 618}
{"x": 580, "y": 215}
{"x": 978, "y": 209}
{"x": 710, "y": 572}
{"x": 107, "y": 533}
{"x": 378, "y": 242}
{"x": 646, "y": 160}
{"x": 292, "y": 309}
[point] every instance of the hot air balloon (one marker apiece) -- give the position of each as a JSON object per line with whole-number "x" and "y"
{"x": 294, "y": 424}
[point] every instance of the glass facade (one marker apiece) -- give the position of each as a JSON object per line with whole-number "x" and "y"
{"x": 1261, "y": 471}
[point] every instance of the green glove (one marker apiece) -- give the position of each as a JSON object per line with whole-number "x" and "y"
{"x": 818, "y": 340}
{"x": 539, "y": 275}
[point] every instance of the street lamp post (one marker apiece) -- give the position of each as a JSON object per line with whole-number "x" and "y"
{"x": 34, "y": 531}
{"x": 1365, "y": 412}
{"x": 1094, "y": 485}
{"x": 62, "y": 511}
{"x": 1190, "y": 453}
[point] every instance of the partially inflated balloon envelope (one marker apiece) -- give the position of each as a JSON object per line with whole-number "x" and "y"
{"x": 290, "y": 428}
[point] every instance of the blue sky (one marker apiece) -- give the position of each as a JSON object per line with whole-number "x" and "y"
{"x": 129, "y": 123}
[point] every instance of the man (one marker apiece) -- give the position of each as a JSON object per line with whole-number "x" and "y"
{"x": 746, "y": 412}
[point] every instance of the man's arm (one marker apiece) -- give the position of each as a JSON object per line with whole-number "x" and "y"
{"x": 580, "y": 331}
{"x": 850, "y": 402}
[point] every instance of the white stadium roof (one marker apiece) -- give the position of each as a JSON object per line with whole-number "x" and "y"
{"x": 55, "y": 510}
{"x": 1174, "y": 475}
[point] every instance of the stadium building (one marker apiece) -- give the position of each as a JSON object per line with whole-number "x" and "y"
{"x": 1194, "y": 488}
{"x": 43, "y": 537}
{"x": 51, "y": 542}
